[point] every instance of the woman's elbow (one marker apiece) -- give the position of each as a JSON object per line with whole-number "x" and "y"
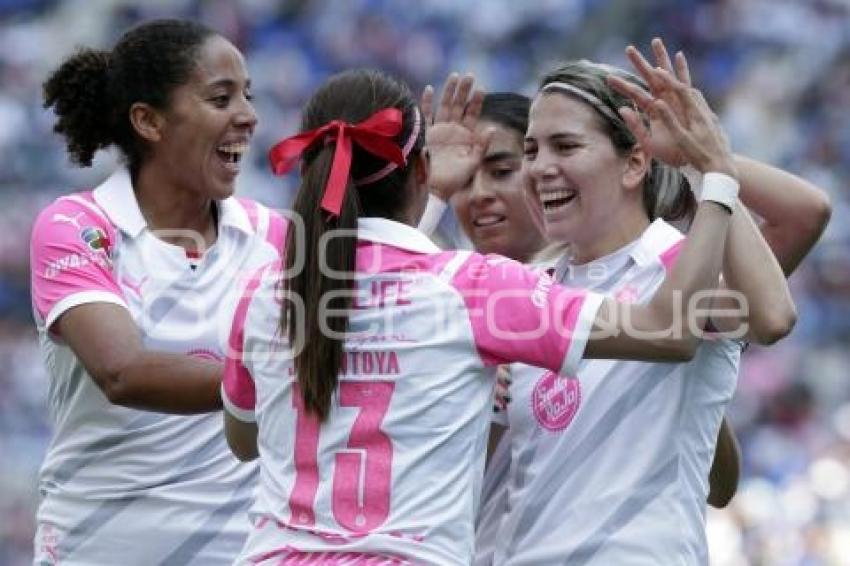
{"x": 682, "y": 349}
{"x": 241, "y": 440}
{"x": 820, "y": 211}
{"x": 773, "y": 328}
{"x": 244, "y": 455}
{"x": 113, "y": 385}
{"x": 243, "y": 451}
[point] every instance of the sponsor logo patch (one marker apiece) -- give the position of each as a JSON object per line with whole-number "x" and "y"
{"x": 555, "y": 401}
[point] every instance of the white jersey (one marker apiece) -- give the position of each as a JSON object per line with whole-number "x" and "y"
{"x": 494, "y": 492}
{"x": 494, "y": 499}
{"x": 118, "y": 485}
{"x": 610, "y": 465}
{"x": 394, "y": 473}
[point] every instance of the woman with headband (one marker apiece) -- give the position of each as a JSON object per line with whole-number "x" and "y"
{"x": 361, "y": 367}
{"x": 611, "y": 465}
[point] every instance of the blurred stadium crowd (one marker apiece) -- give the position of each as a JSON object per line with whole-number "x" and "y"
{"x": 776, "y": 71}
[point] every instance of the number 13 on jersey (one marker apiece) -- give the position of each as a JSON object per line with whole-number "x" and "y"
{"x": 362, "y": 475}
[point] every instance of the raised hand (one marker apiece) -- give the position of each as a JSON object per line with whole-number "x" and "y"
{"x": 682, "y": 128}
{"x": 659, "y": 141}
{"x": 454, "y": 146}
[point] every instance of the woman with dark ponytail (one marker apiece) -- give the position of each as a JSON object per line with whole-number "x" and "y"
{"x": 362, "y": 366}
{"x": 133, "y": 288}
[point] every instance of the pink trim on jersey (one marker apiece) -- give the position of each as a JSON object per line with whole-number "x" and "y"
{"x": 252, "y": 210}
{"x": 289, "y": 556}
{"x": 70, "y": 253}
{"x": 331, "y": 538}
{"x": 669, "y": 256}
{"x": 380, "y": 258}
{"x": 237, "y": 384}
{"x": 276, "y": 232}
{"x": 517, "y": 314}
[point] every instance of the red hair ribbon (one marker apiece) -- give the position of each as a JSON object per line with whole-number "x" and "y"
{"x": 374, "y": 134}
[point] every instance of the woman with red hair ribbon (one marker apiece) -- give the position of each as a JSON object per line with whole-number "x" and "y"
{"x": 369, "y": 450}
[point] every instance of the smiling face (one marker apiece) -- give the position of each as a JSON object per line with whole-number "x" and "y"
{"x": 578, "y": 175}
{"x": 208, "y": 124}
{"x": 492, "y": 210}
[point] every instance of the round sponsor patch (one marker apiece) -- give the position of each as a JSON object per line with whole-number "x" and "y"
{"x": 94, "y": 237}
{"x": 555, "y": 400}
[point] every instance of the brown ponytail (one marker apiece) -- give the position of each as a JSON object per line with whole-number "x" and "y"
{"x": 318, "y": 359}
{"x": 325, "y": 284}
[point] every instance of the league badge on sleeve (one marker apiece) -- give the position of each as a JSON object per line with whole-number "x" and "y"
{"x": 95, "y": 238}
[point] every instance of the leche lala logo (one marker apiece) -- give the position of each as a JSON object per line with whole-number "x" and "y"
{"x": 555, "y": 400}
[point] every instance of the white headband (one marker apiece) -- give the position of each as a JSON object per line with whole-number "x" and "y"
{"x": 584, "y": 95}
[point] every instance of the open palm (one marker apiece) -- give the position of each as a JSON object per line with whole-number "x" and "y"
{"x": 454, "y": 147}
{"x": 682, "y": 128}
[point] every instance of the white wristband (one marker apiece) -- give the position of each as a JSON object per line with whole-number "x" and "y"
{"x": 720, "y": 188}
{"x": 433, "y": 213}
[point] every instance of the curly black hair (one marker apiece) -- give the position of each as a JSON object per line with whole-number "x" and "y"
{"x": 92, "y": 90}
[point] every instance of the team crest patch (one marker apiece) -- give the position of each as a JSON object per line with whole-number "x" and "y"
{"x": 95, "y": 238}
{"x": 205, "y": 354}
{"x": 555, "y": 401}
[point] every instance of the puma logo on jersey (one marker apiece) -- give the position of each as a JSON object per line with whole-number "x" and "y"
{"x": 72, "y": 220}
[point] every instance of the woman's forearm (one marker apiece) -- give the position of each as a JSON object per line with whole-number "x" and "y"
{"x": 794, "y": 211}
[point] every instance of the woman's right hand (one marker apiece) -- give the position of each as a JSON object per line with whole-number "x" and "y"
{"x": 677, "y": 110}
{"x": 454, "y": 147}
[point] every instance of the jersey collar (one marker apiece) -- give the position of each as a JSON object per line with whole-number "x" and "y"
{"x": 117, "y": 199}
{"x": 657, "y": 238}
{"x": 654, "y": 241}
{"x": 234, "y": 215}
{"x": 396, "y": 234}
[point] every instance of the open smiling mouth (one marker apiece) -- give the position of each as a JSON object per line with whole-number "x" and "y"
{"x": 231, "y": 153}
{"x": 555, "y": 200}
{"x": 487, "y": 220}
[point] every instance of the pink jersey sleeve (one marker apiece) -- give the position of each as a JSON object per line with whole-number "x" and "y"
{"x": 70, "y": 260}
{"x": 519, "y": 315}
{"x": 238, "y": 393}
